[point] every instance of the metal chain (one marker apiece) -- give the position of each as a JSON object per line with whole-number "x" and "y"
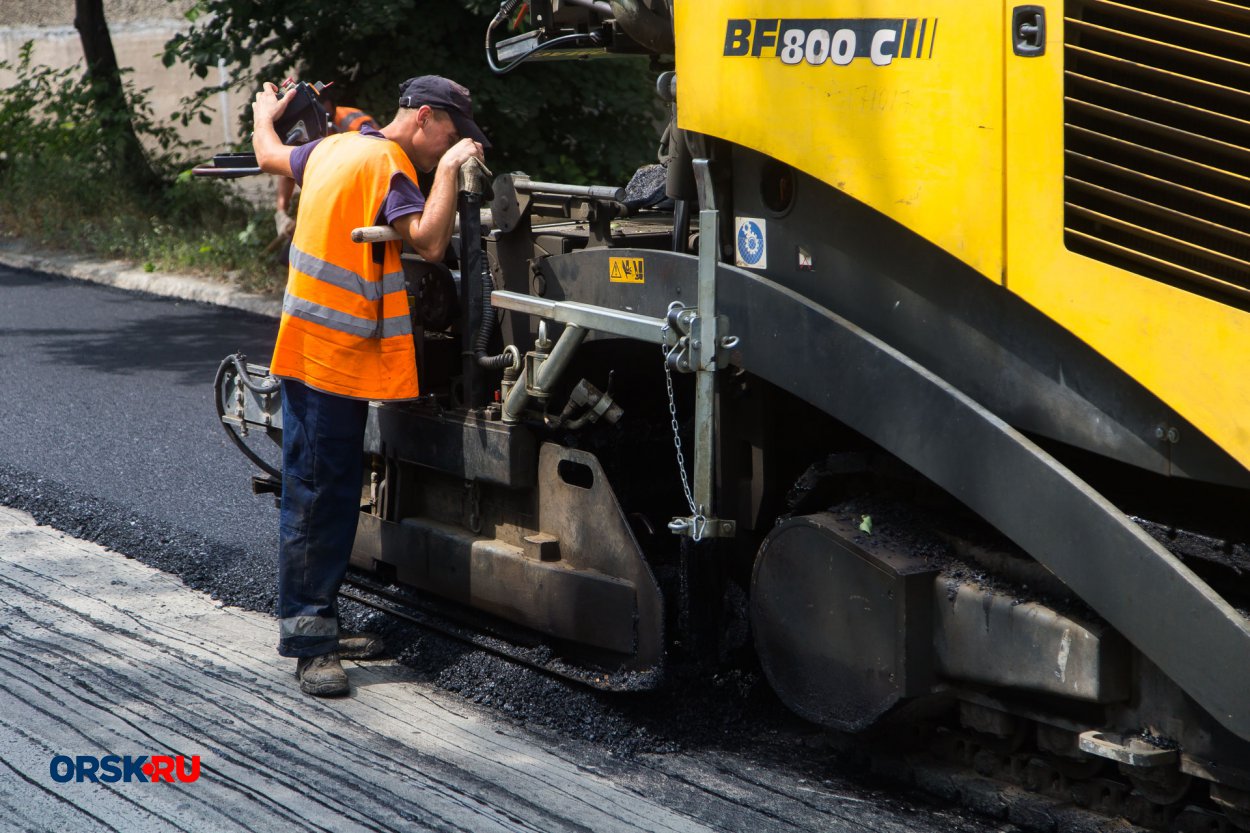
{"x": 697, "y": 518}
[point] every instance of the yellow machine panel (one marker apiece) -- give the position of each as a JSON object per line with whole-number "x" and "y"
{"x": 925, "y": 112}
{"x": 896, "y": 102}
{"x": 1105, "y": 222}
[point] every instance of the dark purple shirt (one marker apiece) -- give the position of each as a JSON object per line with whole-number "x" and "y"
{"x": 403, "y": 196}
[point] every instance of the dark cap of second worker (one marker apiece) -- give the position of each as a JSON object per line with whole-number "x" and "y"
{"x": 446, "y": 95}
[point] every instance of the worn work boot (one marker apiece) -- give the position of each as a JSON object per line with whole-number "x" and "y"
{"x": 322, "y": 676}
{"x": 360, "y": 645}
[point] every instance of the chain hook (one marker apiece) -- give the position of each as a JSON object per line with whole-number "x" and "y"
{"x": 697, "y": 523}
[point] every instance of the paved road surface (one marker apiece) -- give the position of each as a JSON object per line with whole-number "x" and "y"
{"x": 110, "y": 391}
{"x": 110, "y": 435}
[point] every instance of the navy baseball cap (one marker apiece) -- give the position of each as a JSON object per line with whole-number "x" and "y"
{"x": 446, "y": 95}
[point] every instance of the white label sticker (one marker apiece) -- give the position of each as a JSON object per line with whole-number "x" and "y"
{"x": 751, "y": 242}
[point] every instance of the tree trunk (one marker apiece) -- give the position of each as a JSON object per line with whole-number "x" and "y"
{"x": 110, "y": 97}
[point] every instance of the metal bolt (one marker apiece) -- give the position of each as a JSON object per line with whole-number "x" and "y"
{"x": 1174, "y": 436}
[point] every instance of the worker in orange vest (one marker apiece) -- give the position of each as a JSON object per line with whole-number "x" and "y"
{"x": 343, "y": 117}
{"x": 347, "y": 119}
{"x": 346, "y": 336}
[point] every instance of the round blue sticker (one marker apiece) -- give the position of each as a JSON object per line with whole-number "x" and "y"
{"x": 750, "y": 243}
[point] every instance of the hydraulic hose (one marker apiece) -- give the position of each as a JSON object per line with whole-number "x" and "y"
{"x": 505, "y": 9}
{"x": 482, "y": 341}
{"x": 478, "y": 318}
{"x": 239, "y": 362}
{"x": 273, "y": 386}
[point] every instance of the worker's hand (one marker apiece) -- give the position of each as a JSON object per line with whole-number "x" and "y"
{"x": 461, "y": 152}
{"x": 268, "y": 105}
{"x": 284, "y": 223}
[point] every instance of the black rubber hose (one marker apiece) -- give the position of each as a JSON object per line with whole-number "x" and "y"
{"x": 474, "y": 383}
{"x": 240, "y": 365}
{"x": 505, "y": 9}
{"x": 481, "y": 324}
{"x": 237, "y": 360}
{"x": 488, "y": 326}
{"x": 482, "y": 341}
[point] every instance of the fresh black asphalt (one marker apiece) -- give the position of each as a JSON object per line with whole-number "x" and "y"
{"x": 109, "y": 432}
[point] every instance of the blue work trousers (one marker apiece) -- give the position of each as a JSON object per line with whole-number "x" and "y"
{"x": 322, "y": 470}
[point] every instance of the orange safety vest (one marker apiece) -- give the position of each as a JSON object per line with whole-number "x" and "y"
{"x": 345, "y": 322}
{"x": 347, "y": 119}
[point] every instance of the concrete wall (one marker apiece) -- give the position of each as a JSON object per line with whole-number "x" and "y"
{"x": 139, "y": 30}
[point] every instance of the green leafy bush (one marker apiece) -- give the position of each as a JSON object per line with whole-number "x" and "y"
{"x": 61, "y": 184}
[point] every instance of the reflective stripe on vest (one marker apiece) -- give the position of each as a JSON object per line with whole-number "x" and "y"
{"x": 344, "y": 278}
{"x": 345, "y": 326}
{"x": 398, "y": 325}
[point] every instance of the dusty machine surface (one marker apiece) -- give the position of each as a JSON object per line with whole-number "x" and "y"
{"x": 919, "y": 354}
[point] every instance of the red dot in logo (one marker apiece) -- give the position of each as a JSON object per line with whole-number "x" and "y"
{"x": 149, "y": 769}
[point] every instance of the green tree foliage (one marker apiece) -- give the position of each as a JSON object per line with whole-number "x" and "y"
{"x": 64, "y": 181}
{"x": 580, "y": 121}
{"x": 52, "y": 119}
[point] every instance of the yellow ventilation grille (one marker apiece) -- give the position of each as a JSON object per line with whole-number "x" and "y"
{"x": 1157, "y": 139}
